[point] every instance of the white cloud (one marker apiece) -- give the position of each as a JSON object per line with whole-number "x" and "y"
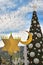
{"x": 3, "y": 0}
{"x": 29, "y": 6}
{"x": 15, "y": 19}
{"x": 23, "y": 9}
{"x": 11, "y": 22}
{"x": 6, "y": 4}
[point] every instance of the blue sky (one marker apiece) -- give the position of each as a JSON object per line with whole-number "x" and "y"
{"x": 15, "y": 15}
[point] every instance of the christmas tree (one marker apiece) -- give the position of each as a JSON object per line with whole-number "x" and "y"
{"x": 35, "y": 48}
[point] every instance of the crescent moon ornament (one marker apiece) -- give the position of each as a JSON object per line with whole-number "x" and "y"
{"x": 28, "y": 40}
